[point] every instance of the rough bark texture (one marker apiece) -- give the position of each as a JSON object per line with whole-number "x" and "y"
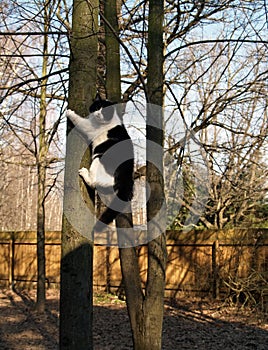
{"x": 154, "y": 305}
{"x": 77, "y": 251}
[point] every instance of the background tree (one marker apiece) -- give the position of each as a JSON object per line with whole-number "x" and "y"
{"x": 215, "y": 59}
{"x": 214, "y": 68}
{"x": 41, "y": 171}
{"x": 232, "y": 127}
{"x": 32, "y": 136}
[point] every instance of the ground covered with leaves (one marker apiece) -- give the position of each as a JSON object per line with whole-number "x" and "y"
{"x": 188, "y": 324}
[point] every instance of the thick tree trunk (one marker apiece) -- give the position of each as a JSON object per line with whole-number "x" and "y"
{"x": 77, "y": 250}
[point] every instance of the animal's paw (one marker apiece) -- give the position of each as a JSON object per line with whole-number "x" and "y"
{"x": 83, "y": 172}
{"x": 69, "y": 113}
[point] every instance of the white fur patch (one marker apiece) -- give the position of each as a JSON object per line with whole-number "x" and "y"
{"x": 94, "y": 128}
{"x": 96, "y": 175}
{"x": 102, "y": 178}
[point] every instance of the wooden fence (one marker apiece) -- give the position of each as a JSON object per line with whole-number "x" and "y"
{"x": 198, "y": 261}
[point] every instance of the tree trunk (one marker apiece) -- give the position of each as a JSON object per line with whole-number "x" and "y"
{"x": 41, "y": 260}
{"x": 154, "y": 305}
{"x": 128, "y": 256}
{"x": 41, "y": 176}
{"x": 113, "y": 77}
{"x": 145, "y": 310}
{"x": 77, "y": 246}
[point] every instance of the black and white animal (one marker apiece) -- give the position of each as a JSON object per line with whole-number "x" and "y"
{"x": 112, "y": 155}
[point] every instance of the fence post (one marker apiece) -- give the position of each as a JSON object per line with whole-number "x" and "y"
{"x": 11, "y": 261}
{"x": 215, "y": 270}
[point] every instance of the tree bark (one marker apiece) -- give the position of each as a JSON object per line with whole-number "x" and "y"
{"x": 154, "y": 305}
{"x": 77, "y": 250}
{"x": 128, "y": 256}
{"x": 113, "y": 77}
{"x": 41, "y": 176}
{"x": 145, "y": 309}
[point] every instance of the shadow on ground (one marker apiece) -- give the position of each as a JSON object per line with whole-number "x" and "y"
{"x": 187, "y": 325}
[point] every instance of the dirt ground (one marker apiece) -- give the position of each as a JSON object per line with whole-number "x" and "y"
{"x": 195, "y": 324}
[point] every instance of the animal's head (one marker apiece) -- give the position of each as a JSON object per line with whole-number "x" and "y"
{"x": 102, "y": 110}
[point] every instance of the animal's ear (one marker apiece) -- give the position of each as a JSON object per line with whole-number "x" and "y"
{"x": 98, "y": 98}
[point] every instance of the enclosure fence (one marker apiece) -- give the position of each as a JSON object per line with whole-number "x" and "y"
{"x": 199, "y": 262}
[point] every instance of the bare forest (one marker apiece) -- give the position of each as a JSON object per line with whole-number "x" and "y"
{"x": 215, "y": 72}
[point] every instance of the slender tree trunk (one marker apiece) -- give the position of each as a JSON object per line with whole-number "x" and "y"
{"x": 41, "y": 176}
{"x": 41, "y": 261}
{"x": 128, "y": 256}
{"x": 145, "y": 310}
{"x": 113, "y": 81}
{"x": 77, "y": 250}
